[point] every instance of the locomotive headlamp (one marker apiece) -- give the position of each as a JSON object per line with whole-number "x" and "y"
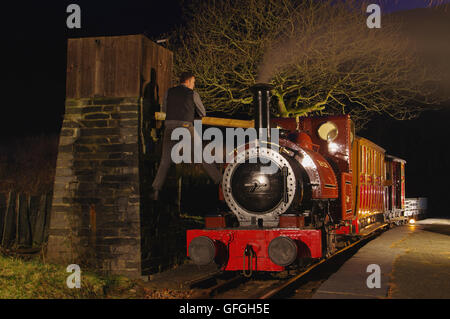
{"x": 328, "y": 131}
{"x": 202, "y": 250}
{"x": 282, "y": 251}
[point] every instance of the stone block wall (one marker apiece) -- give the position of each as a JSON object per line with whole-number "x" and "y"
{"x": 95, "y": 216}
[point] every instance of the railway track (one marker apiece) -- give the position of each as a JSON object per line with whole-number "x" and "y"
{"x": 300, "y": 284}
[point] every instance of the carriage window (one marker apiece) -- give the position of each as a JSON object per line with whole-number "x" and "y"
{"x": 380, "y": 165}
{"x": 375, "y": 161}
{"x": 388, "y": 171}
{"x": 372, "y": 167}
{"x": 367, "y": 160}
{"x": 362, "y": 163}
{"x": 377, "y": 164}
{"x": 367, "y": 165}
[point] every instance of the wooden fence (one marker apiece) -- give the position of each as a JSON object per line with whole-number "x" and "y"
{"x": 24, "y": 220}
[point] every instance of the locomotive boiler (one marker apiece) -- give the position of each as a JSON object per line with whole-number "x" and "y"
{"x": 290, "y": 198}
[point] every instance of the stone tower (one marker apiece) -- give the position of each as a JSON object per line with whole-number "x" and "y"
{"x": 113, "y": 86}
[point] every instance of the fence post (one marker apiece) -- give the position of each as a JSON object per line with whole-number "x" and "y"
{"x": 23, "y": 234}
{"x": 38, "y": 233}
{"x": 3, "y": 208}
{"x": 9, "y": 224}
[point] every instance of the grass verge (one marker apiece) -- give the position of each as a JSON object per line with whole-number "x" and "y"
{"x": 21, "y": 279}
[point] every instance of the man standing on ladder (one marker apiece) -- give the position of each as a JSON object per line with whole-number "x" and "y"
{"x": 180, "y": 104}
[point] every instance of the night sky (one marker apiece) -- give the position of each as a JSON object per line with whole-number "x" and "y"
{"x": 34, "y": 36}
{"x": 35, "y": 39}
{"x": 389, "y": 6}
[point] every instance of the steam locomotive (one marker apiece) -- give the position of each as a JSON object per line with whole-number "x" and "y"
{"x": 328, "y": 187}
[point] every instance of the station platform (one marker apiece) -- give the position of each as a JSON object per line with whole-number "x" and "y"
{"x": 413, "y": 260}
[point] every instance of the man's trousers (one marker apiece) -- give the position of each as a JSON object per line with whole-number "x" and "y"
{"x": 166, "y": 159}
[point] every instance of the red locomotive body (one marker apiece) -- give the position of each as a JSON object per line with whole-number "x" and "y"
{"x": 327, "y": 185}
{"x": 248, "y": 249}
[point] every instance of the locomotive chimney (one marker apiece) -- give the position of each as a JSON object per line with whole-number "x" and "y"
{"x": 261, "y": 102}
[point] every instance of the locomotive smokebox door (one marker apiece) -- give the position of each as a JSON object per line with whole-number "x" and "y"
{"x": 256, "y": 191}
{"x": 254, "y": 194}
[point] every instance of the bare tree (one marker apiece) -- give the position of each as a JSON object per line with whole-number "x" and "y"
{"x": 320, "y": 56}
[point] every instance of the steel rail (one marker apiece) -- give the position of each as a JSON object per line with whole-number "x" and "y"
{"x": 210, "y": 292}
{"x": 198, "y": 281}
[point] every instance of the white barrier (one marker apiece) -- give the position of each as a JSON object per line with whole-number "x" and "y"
{"x": 416, "y": 206}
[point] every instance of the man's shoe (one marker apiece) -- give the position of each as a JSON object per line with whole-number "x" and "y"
{"x": 154, "y": 195}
